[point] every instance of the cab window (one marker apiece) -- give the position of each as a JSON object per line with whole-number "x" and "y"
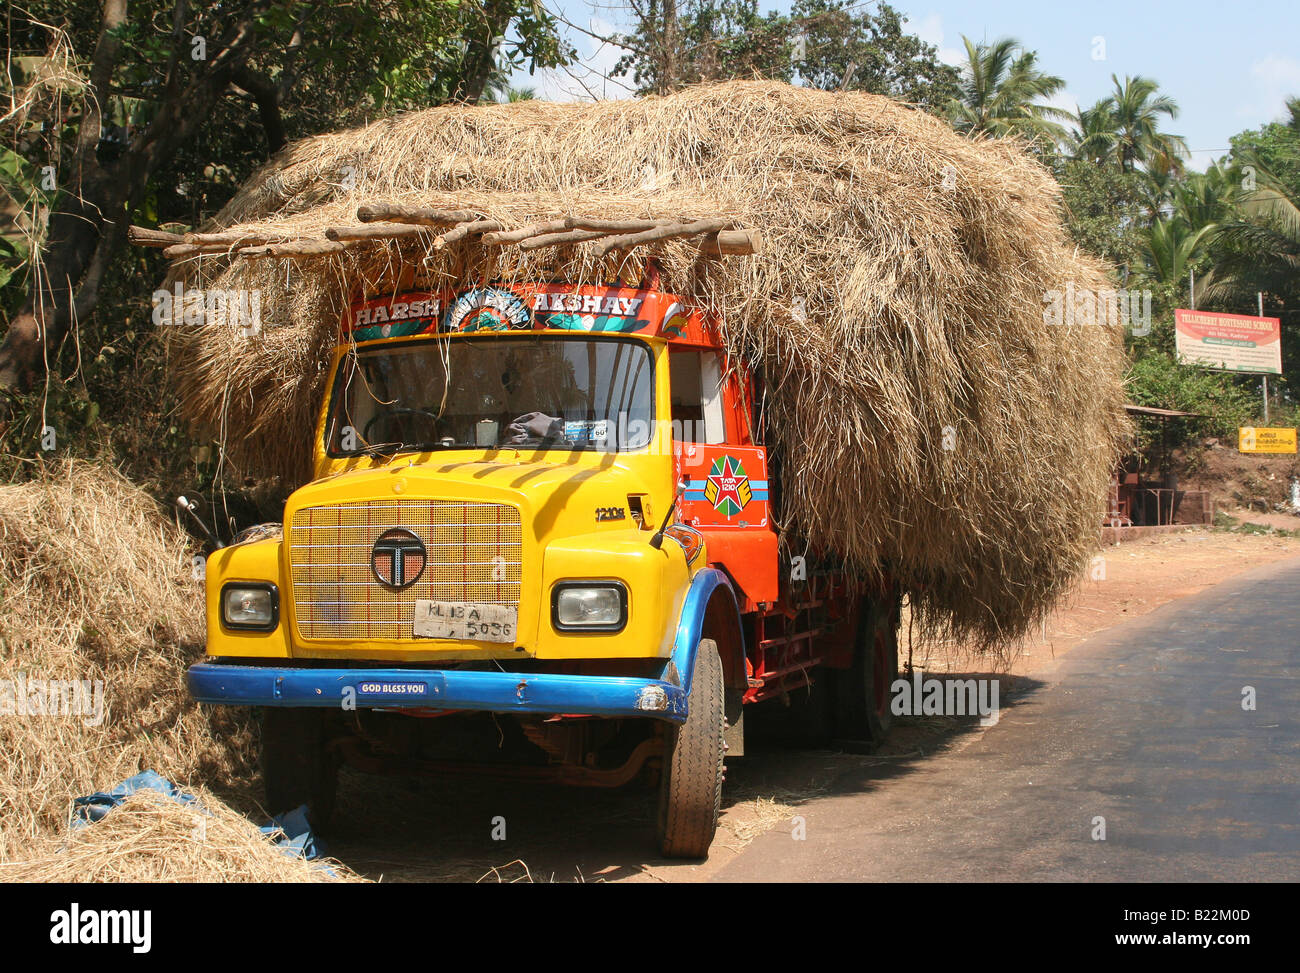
{"x": 696, "y": 380}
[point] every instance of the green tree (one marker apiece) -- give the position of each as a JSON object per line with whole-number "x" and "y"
{"x": 1002, "y": 92}
{"x": 1105, "y": 210}
{"x": 1274, "y": 147}
{"x": 1136, "y": 110}
{"x": 1158, "y": 379}
{"x": 833, "y": 45}
{"x": 838, "y": 45}
{"x": 178, "y": 101}
{"x": 1257, "y": 251}
{"x": 1207, "y": 198}
{"x": 1095, "y": 132}
{"x": 701, "y": 40}
{"x": 1172, "y": 247}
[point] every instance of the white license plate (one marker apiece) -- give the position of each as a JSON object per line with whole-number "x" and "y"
{"x": 465, "y": 620}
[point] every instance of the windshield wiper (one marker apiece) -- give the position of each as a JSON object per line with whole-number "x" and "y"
{"x": 389, "y": 449}
{"x": 378, "y": 449}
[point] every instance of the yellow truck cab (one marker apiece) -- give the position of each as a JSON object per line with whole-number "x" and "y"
{"x": 540, "y": 537}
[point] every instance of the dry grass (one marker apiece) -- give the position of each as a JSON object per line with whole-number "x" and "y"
{"x": 757, "y": 817}
{"x": 96, "y": 585}
{"x": 900, "y": 294}
{"x": 151, "y": 838}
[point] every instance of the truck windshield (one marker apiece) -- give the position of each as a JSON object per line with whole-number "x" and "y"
{"x": 539, "y": 391}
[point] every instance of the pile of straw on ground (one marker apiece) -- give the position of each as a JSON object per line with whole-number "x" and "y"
{"x": 152, "y": 838}
{"x": 96, "y": 585}
{"x": 930, "y": 423}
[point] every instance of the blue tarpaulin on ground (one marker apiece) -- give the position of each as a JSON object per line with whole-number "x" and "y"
{"x": 293, "y": 828}
{"x": 297, "y": 837}
{"x": 87, "y": 810}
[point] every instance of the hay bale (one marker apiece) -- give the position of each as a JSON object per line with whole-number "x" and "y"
{"x": 899, "y": 296}
{"x": 96, "y": 587}
{"x": 152, "y": 838}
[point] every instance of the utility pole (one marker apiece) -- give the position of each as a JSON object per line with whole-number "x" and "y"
{"x": 1191, "y": 287}
{"x": 1259, "y": 295}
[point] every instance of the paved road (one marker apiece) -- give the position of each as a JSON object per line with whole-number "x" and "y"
{"x": 1142, "y": 725}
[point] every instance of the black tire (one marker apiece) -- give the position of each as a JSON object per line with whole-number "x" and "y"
{"x": 296, "y": 766}
{"x": 862, "y": 711}
{"x": 690, "y": 791}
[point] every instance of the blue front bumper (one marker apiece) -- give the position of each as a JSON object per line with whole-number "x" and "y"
{"x": 438, "y": 689}
{"x": 486, "y": 691}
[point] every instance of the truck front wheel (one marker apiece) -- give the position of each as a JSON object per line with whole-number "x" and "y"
{"x": 690, "y": 792}
{"x": 296, "y": 765}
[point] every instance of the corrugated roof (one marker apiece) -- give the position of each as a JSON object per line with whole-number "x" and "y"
{"x": 1146, "y": 410}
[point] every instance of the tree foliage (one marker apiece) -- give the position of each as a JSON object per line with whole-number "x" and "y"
{"x": 828, "y": 44}
{"x": 161, "y": 109}
{"x": 1003, "y": 92}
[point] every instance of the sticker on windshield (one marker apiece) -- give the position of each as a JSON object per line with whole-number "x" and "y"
{"x": 594, "y": 431}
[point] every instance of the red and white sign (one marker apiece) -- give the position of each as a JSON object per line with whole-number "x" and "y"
{"x": 1233, "y": 342}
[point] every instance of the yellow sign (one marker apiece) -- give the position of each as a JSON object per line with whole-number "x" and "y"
{"x": 1252, "y": 440}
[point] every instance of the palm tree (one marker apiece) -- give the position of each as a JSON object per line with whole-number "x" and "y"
{"x": 1159, "y": 184}
{"x": 497, "y": 88}
{"x": 1096, "y": 132}
{"x": 1203, "y": 198}
{"x": 1001, "y": 89}
{"x": 1259, "y": 248}
{"x": 1172, "y": 247}
{"x": 1187, "y": 224}
{"x": 1137, "y": 109}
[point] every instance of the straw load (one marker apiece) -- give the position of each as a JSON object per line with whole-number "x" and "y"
{"x": 152, "y": 838}
{"x": 929, "y": 422}
{"x": 99, "y": 616}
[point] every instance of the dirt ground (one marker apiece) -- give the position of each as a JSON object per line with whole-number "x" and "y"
{"x": 422, "y": 829}
{"x": 1257, "y": 481}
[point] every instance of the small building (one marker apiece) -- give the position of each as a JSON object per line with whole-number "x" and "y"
{"x": 1143, "y": 494}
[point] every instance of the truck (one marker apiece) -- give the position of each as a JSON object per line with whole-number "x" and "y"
{"x": 541, "y": 539}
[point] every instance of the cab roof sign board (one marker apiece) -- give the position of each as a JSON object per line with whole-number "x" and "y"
{"x": 522, "y": 307}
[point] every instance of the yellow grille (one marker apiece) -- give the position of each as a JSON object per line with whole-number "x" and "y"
{"x": 473, "y": 553}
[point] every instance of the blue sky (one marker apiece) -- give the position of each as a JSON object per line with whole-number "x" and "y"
{"x": 1228, "y": 65}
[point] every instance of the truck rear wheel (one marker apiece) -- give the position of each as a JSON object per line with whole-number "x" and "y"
{"x": 296, "y": 766}
{"x": 862, "y": 709}
{"x": 690, "y": 792}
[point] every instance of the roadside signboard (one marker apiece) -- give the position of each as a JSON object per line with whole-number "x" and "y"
{"x": 1253, "y": 440}
{"x": 1233, "y": 342}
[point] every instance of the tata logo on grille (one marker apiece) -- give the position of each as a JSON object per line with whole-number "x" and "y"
{"x": 397, "y": 558}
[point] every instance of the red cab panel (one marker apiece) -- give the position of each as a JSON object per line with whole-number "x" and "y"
{"x": 726, "y": 499}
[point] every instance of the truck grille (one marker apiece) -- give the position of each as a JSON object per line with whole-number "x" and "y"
{"x": 473, "y": 553}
